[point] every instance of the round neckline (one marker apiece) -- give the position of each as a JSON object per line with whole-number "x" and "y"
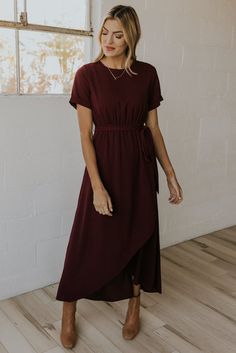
{"x": 110, "y": 68}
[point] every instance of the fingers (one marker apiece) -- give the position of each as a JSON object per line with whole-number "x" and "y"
{"x": 102, "y": 202}
{"x": 105, "y": 209}
{"x": 110, "y": 204}
{"x": 177, "y": 197}
{"x": 176, "y": 193}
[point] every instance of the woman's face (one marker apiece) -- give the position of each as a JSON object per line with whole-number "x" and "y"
{"x": 112, "y": 38}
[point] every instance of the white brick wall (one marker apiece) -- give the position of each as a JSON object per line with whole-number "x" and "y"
{"x": 40, "y": 175}
{"x": 192, "y": 43}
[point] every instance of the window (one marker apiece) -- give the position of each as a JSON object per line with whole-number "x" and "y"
{"x": 42, "y": 44}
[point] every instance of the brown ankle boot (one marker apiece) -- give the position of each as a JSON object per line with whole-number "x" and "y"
{"x": 68, "y": 334}
{"x": 132, "y": 324}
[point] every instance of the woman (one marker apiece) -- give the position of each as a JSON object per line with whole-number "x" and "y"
{"x": 113, "y": 250}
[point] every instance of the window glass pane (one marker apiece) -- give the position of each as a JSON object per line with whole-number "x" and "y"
{"x": 49, "y": 61}
{"x": 7, "y": 10}
{"x": 60, "y": 13}
{"x": 7, "y": 61}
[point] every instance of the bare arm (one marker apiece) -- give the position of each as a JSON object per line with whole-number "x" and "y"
{"x": 85, "y": 121}
{"x": 102, "y": 201}
{"x": 160, "y": 148}
{"x": 163, "y": 158}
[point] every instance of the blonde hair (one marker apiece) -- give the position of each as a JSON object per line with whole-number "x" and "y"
{"x": 132, "y": 32}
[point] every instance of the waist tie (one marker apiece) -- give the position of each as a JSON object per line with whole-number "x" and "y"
{"x": 146, "y": 144}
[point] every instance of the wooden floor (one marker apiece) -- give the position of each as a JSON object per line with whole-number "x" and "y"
{"x": 196, "y": 312}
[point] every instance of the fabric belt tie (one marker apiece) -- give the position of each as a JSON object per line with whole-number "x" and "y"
{"x": 146, "y": 144}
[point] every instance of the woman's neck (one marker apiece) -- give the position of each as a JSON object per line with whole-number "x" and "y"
{"x": 115, "y": 63}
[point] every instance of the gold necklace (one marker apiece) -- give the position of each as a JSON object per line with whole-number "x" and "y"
{"x": 115, "y": 77}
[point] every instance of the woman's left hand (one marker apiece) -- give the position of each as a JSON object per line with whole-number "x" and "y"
{"x": 176, "y": 192}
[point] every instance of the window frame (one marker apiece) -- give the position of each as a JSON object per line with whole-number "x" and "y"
{"x": 24, "y": 25}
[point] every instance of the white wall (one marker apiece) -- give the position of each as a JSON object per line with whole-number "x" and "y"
{"x": 192, "y": 43}
{"x": 40, "y": 173}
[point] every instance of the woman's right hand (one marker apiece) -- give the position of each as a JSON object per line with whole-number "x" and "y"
{"x": 102, "y": 201}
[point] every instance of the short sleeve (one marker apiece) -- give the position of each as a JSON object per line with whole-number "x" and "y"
{"x": 80, "y": 93}
{"x": 154, "y": 97}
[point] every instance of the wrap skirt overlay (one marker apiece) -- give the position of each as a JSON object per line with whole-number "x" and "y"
{"x": 105, "y": 255}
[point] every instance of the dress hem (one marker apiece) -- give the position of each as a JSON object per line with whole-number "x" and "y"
{"x": 115, "y": 299}
{"x": 129, "y": 291}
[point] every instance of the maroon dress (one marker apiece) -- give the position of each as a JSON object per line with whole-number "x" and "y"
{"x": 105, "y": 254}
